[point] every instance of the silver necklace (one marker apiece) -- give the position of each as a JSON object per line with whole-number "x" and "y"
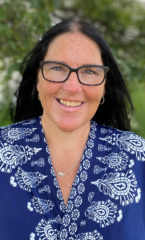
{"x": 62, "y": 174}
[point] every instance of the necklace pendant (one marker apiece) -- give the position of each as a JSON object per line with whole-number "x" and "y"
{"x": 61, "y": 174}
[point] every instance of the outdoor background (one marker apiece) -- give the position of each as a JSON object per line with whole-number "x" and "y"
{"x": 122, "y": 23}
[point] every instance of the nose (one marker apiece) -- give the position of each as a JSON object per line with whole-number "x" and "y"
{"x": 72, "y": 84}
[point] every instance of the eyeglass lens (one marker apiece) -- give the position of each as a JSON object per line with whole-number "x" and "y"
{"x": 58, "y": 72}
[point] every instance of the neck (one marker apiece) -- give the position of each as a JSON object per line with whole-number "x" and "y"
{"x": 62, "y": 140}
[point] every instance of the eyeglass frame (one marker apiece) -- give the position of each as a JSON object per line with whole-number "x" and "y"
{"x": 105, "y": 68}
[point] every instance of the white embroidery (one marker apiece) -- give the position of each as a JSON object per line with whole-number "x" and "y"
{"x": 66, "y": 220}
{"x": 28, "y": 122}
{"x": 91, "y": 196}
{"x": 45, "y": 230}
{"x": 11, "y": 134}
{"x": 81, "y": 188}
{"x": 63, "y": 234}
{"x": 27, "y": 180}
{"x": 86, "y": 164}
{"x": 59, "y": 194}
{"x": 138, "y": 196}
{"x": 73, "y": 193}
{"x": 78, "y": 201}
{"x": 102, "y": 148}
{"x": 72, "y": 228}
{"x": 129, "y": 142}
{"x": 90, "y": 143}
{"x": 117, "y": 161}
{"x": 41, "y": 206}
{"x": 75, "y": 214}
{"x": 62, "y": 207}
{"x": 88, "y": 153}
{"x": 13, "y": 155}
{"x": 120, "y": 216}
{"x": 29, "y": 206}
{"x": 92, "y": 135}
{"x": 76, "y": 181}
{"x": 12, "y": 181}
{"x": 35, "y": 138}
{"x": 40, "y": 163}
{"x": 95, "y": 235}
{"x": 32, "y": 236}
{"x": 118, "y": 186}
{"x": 93, "y": 126}
{"x": 70, "y": 206}
{"x": 98, "y": 169}
{"x": 55, "y": 182}
{"x": 46, "y": 188}
{"x": 83, "y": 176}
{"x": 104, "y": 213}
{"x": 83, "y": 223}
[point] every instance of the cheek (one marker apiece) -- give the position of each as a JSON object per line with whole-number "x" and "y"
{"x": 47, "y": 89}
{"x": 95, "y": 94}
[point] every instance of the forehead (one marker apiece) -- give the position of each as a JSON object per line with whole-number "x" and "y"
{"x": 74, "y": 47}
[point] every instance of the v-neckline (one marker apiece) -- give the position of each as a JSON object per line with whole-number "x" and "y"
{"x": 76, "y": 180}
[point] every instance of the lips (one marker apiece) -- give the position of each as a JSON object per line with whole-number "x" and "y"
{"x": 70, "y": 103}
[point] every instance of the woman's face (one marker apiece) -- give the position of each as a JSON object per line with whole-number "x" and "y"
{"x": 57, "y": 99}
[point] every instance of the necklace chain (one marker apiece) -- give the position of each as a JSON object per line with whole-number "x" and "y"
{"x": 63, "y": 174}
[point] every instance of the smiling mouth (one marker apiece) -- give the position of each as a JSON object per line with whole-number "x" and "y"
{"x": 70, "y": 103}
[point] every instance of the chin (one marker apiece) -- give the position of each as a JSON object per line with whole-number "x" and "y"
{"x": 71, "y": 125}
{"x": 68, "y": 128}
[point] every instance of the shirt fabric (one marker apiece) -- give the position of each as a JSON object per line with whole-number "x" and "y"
{"x": 107, "y": 198}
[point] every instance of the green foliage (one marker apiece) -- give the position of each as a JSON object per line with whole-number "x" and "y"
{"x": 22, "y": 24}
{"x": 138, "y": 97}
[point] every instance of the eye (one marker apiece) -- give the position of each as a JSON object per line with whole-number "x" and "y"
{"x": 90, "y": 71}
{"x": 57, "y": 68}
{"x": 54, "y": 67}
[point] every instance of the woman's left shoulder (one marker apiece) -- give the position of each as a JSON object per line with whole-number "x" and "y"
{"x": 124, "y": 141}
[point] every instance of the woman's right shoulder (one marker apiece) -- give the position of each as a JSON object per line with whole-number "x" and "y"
{"x": 14, "y": 131}
{"x": 17, "y": 144}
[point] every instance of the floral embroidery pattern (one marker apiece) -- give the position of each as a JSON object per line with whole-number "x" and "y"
{"x": 13, "y": 155}
{"x": 98, "y": 169}
{"x": 104, "y": 213}
{"x": 46, "y": 230}
{"x": 46, "y": 188}
{"x": 95, "y": 235}
{"x": 118, "y": 186}
{"x": 112, "y": 176}
{"x": 117, "y": 161}
{"x": 40, "y": 163}
{"x": 129, "y": 142}
{"x": 14, "y": 134}
{"x": 27, "y": 180}
{"x": 41, "y": 206}
{"x": 35, "y": 139}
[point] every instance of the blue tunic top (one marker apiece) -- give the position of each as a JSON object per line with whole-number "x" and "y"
{"x": 107, "y": 198}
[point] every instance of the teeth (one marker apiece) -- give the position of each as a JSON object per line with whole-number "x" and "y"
{"x": 71, "y": 104}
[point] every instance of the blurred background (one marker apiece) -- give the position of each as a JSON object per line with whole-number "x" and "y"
{"x": 122, "y": 23}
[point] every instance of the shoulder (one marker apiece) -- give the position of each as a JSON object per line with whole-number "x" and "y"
{"x": 118, "y": 140}
{"x": 17, "y": 131}
{"x": 20, "y": 124}
{"x": 18, "y": 143}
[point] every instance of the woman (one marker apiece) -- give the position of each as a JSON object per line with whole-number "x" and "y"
{"x": 64, "y": 176}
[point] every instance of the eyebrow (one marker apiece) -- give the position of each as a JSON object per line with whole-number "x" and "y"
{"x": 86, "y": 64}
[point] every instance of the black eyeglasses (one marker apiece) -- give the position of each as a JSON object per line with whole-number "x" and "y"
{"x": 91, "y": 75}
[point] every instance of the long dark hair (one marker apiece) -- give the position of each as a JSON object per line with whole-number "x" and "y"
{"x": 114, "y": 112}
